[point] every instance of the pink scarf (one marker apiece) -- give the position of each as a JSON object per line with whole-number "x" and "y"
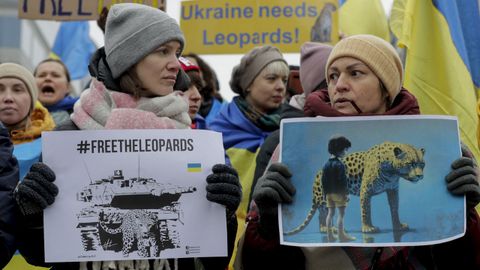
{"x": 100, "y": 108}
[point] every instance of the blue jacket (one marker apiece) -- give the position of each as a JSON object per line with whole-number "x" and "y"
{"x": 199, "y": 122}
{"x": 8, "y": 181}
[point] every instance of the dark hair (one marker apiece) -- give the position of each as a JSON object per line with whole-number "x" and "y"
{"x": 65, "y": 69}
{"x": 195, "y": 79}
{"x": 386, "y": 94}
{"x": 211, "y": 87}
{"x": 337, "y": 144}
{"x": 130, "y": 83}
{"x": 102, "y": 19}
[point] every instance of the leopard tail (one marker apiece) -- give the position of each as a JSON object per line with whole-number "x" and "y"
{"x": 307, "y": 220}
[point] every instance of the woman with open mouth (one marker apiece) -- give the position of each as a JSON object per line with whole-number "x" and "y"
{"x": 53, "y": 82}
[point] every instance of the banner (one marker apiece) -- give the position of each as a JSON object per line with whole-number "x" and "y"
{"x": 73, "y": 10}
{"x": 225, "y": 27}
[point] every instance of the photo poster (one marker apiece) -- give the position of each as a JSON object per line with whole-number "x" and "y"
{"x": 133, "y": 194}
{"x": 391, "y": 146}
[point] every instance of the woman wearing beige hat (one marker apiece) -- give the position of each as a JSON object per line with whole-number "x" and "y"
{"x": 22, "y": 114}
{"x": 364, "y": 76}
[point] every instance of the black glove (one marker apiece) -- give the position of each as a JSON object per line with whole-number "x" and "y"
{"x": 223, "y": 187}
{"x": 37, "y": 190}
{"x": 273, "y": 187}
{"x": 463, "y": 180}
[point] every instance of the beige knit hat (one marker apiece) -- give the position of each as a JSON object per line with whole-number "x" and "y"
{"x": 377, "y": 54}
{"x": 13, "y": 70}
{"x": 251, "y": 64}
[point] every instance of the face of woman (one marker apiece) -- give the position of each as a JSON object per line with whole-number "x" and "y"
{"x": 267, "y": 91}
{"x": 15, "y": 101}
{"x": 194, "y": 101}
{"x": 354, "y": 88}
{"x": 52, "y": 83}
{"x": 158, "y": 70}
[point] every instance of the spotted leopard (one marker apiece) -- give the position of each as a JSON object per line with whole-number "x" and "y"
{"x": 370, "y": 173}
{"x": 138, "y": 226}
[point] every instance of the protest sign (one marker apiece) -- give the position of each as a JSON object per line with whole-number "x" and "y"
{"x": 72, "y": 10}
{"x": 223, "y": 26}
{"x": 394, "y": 169}
{"x": 133, "y": 194}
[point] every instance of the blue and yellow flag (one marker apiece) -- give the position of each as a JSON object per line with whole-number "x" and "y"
{"x": 74, "y": 47}
{"x": 194, "y": 167}
{"x": 363, "y": 17}
{"x": 441, "y": 39}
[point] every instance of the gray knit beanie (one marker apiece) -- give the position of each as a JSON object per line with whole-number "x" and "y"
{"x": 313, "y": 57}
{"x": 133, "y": 31}
{"x": 251, "y": 64}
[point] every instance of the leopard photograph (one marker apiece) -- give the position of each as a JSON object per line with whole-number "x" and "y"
{"x": 138, "y": 229}
{"x": 372, "y": 172}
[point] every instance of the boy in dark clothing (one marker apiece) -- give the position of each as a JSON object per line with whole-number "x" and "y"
{"x": 334, "y": 182}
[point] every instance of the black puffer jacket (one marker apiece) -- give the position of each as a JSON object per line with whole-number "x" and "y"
{"x": 8, "y": 180}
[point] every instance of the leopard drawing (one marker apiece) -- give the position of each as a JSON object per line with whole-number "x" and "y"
{"x": 370, "y": 173}
{"x": 138, "y": 226}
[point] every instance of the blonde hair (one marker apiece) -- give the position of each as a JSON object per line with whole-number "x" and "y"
{"x": 277, "y": 67}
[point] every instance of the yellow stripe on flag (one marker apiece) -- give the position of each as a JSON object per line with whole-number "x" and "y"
{"x": 363, "y": 17}
{"x": 434, "y": 71}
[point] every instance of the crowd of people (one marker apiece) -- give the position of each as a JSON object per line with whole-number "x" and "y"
{"x": 141, "y": 80}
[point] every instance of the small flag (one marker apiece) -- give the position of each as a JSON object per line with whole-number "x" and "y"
{"x": 194, "y": 167}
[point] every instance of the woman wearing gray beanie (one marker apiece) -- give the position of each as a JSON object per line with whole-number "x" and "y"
{"x": 260, "y": 82}
{"x": 135, "y": 78}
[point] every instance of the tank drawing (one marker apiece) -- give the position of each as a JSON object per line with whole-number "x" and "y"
{"x": 133, "y": 193}
{"x": 127, "y": 215}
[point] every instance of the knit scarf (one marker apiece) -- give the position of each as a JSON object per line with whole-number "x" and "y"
{"x": 100, "y": 108}
{"x": 266, "y": 122}
{"x": 318, "y": 104}
{"x": 40, "y": 120}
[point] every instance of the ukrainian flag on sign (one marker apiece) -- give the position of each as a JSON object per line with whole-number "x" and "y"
{"x": 194, "y": 167}
{"x": 442, "y": 62}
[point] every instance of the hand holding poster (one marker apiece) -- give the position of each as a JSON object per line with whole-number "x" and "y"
{"x": 133, "y": 194}
{"x": 393, "y": 191}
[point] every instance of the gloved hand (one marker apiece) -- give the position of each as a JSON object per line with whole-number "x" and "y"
{"x": 223, "y": 187}
{"x": 37, "y": 190}
{"x": 272, "y": 188}
{"x": 463, "y": 180}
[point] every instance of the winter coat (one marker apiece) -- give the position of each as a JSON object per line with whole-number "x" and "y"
{"x": 8, "y": 181}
